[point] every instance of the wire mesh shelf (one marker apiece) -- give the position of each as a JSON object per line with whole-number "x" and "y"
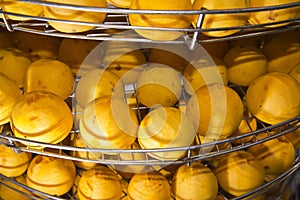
{"x": 199, "y": 152}
{"x": 193, "y": 153}
{"x": 117, "y": 19}
{"x": 142, "y": 157}
{"x": 272, "y": 188}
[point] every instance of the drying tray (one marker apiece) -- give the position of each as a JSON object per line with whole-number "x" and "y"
{"x": 117, "y": 18}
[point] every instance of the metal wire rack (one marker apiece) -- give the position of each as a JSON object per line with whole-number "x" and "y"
{"x": 270, "y": 186}
{"x": 117, "y": 18}
{"x": 196, "y": 152}
{"x": 12, "y": 142}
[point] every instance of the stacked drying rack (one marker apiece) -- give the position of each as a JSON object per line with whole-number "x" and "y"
{"x": 39, "y": 25}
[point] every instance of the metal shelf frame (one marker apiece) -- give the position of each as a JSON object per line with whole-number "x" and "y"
{"x": 40, "y": 25}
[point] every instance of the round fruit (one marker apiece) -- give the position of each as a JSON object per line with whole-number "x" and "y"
{"x": 51, "y": 175}
{"x": 276, "y": 155}
{"x": 10, "y": 94}
{"x": 13, "y": 164}
{"x": 37, "y": 46}
{"x": 160, "y": 20}
{"x": 49, "y": 75}
{"x": 239, "y": 173}
{"x": 126, "y": 62}
{"x": 221, "y": 20}
{"x": 166, "y": 127}
{"x": 282, "y": 54}
{"x": 41, "y": 116}
{"x": 175, "y": 56}
{"x": 216, "y": 49}
{"x": 204, "y": 72}
{"x": 194, "y": 182}
{"x": 75, "y": 15}
{"x": 244, "y": 64}
{"x": 108, "y": 122}
{"x": 158, "y": 84}
{"x": 87, "y": 56}
{"x": 99, "y": 183}
{"x": 272, "y": 16}
{"x": 14, "y": 63}
{"x": 149, "y": 185}
{"x": 23, "y": 8}
{"x": 274, "y": 97}
{"x": 96, "y": 83}
{"x": 216, "y": 110}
